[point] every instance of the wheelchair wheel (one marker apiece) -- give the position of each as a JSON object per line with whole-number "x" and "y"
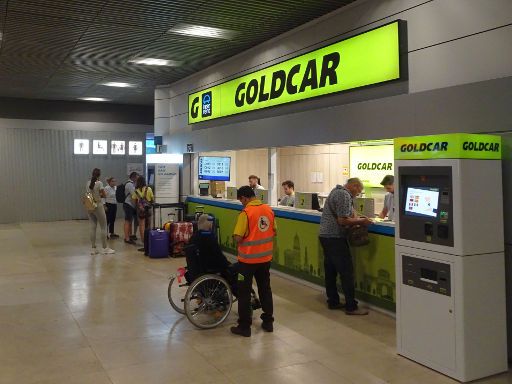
{"x": 176, "y": 294}
{"x": 208, "y": 301}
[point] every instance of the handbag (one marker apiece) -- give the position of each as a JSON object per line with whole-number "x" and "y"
{"x": 88, "y": 202}
{"x": 358, "y": 236}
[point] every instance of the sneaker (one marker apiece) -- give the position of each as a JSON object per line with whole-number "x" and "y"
{"x": 267, "y": 326}
{"x": 107, "y": 251}
{"x": 336, "y": 306}
{"x": 114, "y": 236}
{"x": 133, "y": 237}
{"x": 129, "y": 242}
{"x": 357, "y": 312}
{"x": 141, "y": 249}
{"x": 245, "y": 332}
{"x": 94, "y": 251}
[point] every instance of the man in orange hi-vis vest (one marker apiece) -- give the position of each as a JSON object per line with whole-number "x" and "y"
{"x": 254, "y": 233}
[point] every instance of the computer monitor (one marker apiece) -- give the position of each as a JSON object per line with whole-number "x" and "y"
{"x": 214, "y": 168}
{"x": 422, "y": 201}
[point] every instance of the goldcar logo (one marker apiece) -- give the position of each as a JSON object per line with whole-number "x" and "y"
{"x": 422, "y": 147}
{"x": 372, "y": 57}
{"x": 449, "y": 146}
{"x": 481, "y": 146}
{"x": 375, "y": 166}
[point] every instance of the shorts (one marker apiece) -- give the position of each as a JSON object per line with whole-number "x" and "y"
{"x": 129, "y": 212}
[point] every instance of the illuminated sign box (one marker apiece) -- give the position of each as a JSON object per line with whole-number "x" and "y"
{"x": 117, "y": 147}
{"x": 371, "y": 163}
{"x": 99, "y": 147}
{"x": 369, "y": 58}
{"x": 81, "y": 147}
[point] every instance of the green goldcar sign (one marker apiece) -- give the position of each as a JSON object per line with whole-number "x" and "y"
{"x": 449, "y": 146}
{"x": 372, "y": 57}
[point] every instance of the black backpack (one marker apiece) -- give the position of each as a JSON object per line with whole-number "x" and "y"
{"x": 120, "y": 193}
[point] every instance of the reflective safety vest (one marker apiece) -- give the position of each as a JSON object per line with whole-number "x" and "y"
{"x": 257, "y": 246}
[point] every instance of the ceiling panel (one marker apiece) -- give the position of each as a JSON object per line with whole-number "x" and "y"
{"x": 64, "y": 49}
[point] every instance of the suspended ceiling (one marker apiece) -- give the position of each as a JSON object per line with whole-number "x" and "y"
{"x": 65, "y": 49}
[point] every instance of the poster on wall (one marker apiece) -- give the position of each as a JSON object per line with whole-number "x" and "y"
{"x": 81, "y": 147}
{"x": 117, "y": 147}
{"x": 371, "y": 163}
{"x": 135, "y": 167}
{"x": 167, "y": 182}
{"x": 135, "y": 148}
{"x": 99, "y": 147}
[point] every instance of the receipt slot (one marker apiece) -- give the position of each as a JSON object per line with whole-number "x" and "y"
{"x": 449, "y": 250}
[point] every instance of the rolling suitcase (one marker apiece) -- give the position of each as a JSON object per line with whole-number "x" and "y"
{"x": 158, "y": 247}
{"x": 181, "y": 234}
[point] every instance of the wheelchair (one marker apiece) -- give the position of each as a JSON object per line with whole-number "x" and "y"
{"x": 204, "y": 296}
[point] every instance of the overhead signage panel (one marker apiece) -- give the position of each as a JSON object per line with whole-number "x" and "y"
{"x": 369, "y": 58}
{"x": 371, "y": 163}
{"x": 450, "y": 146}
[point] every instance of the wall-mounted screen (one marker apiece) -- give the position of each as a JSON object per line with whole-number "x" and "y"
{"x": 214, "y": 168}
{"x": 99, "y": 147}
{"x": 135, "y": 148}
{"x": 422, "y": 201}
{"x": 81, "y": 147}
{"x": 117, "y": 147}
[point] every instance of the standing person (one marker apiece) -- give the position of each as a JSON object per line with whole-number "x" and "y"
{"x": 254, "y": 182}
{"x": 95, "y": 187}
{"x": 111, "y": 206}
{"x": 389, "y": 200}
{"x": 289, "y": 193}
{"x": 143, "y": 194}
{"x": 129, "y": 209}
{"x": 254, "y": 233}
{"x": 338, "y": 215}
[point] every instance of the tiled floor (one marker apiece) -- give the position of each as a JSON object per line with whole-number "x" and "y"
{"x": 69, "y": 317}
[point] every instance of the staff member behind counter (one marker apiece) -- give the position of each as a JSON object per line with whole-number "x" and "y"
{"x": 389, "y": 200}
{"x": 289, "y": 193}
{"x": 254, "y": 182}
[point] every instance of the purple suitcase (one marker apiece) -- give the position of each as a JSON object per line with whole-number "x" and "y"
{"x": 158, "y": 244}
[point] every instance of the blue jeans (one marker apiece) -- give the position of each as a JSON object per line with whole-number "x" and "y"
{"x": 337, "y": 259}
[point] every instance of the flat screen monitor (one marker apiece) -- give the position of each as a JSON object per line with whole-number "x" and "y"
{"x": 214, "y": 168}
{"x": 421, "y": 201}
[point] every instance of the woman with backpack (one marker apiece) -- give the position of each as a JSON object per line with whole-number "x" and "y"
{"x": 95, "y": 187}
{"x": 143, "y": 197}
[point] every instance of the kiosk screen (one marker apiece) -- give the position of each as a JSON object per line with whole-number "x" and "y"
{"x": 422, "y": 201}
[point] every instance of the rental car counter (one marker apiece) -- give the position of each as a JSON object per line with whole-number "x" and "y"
{"x": 298, "y": 252}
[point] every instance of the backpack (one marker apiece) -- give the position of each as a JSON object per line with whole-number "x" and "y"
{"x": 143, "y": 205}
{"x": 120, "y": 193}
{"x": 88, "y": 202}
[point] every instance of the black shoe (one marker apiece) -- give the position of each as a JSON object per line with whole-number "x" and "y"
{"x": 129, "y": 241}
{"x": 336, "y": 306}
{"x": 133, "y": 237}
{"x": 114, "y": 236}
{"x": 141, "y": 249}
{"x": 245, "y": 332}
{"x": 267, "y": 326}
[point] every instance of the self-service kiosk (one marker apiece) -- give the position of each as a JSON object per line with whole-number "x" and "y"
{"x": 450, "y": 267}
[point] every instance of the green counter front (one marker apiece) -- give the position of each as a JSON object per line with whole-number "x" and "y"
{"x": 298, "y": 252}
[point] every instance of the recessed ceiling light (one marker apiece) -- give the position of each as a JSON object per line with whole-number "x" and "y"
{"x": 117, "y": 84}
{"x": 202, "y": 31}
{"x": 151, "y": 61}
{"x": 94, "y": 99}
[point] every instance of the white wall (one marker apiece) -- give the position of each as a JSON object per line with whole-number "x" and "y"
{"x": 42, "y": 179}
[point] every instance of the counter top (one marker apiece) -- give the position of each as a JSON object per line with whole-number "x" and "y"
{"x": 382, "y": 227}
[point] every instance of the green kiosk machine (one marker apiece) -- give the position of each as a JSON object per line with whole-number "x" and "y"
{"x": 449, "y": 251}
